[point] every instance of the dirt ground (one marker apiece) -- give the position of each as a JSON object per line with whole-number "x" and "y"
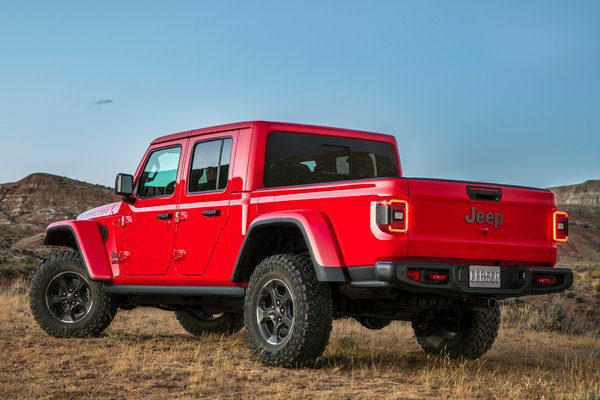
{"x": 146, "y": 354}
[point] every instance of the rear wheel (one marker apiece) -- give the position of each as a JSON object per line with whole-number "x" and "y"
{"x": 466, "y": 333}
{"x": 199, "y": 322}
{"x": 65, "y": 302}
{"x": 287, "y": 311}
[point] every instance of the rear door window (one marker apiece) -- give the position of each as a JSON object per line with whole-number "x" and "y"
{"x": 299, "y": 159}
{"x": 210, "y": 166}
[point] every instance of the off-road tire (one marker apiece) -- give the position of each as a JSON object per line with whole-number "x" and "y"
{"x": 95, "y": 320}
{"x": 199, "y": 323}
{"x": 470, "y": 338}
{"x": 311, "y": 308}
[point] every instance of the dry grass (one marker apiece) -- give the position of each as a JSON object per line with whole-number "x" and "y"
{"x": 575, "y": 312}
{"x": 145, "y": 354}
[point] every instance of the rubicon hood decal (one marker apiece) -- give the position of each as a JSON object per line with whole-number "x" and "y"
{"x": 102, "y": 211}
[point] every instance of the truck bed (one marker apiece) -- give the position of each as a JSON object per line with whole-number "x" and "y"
{"x": 487, "y": 223}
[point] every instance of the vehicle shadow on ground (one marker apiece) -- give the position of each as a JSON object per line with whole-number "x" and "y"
{"x": 390, "y": 361}
{"x": 170, "y": 338}
{"x": 134, "y": 337}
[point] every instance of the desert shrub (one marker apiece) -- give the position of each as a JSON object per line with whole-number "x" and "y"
{"x": 552, "y": 317}
{"x": 553, "y": 313}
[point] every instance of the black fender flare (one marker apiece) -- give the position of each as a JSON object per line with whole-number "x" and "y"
{"x": 326, "y": 242}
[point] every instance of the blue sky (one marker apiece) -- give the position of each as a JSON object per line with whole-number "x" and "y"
{"x": 504, "y": 92}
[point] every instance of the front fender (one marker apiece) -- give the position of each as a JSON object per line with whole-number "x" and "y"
{"x": 87, "y": 238}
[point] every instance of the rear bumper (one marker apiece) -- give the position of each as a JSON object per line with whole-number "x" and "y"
{"x": 516, "y": 281}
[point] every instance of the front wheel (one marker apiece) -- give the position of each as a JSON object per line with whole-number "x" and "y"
{"x": 467, "y": 333}
{"x": 65, "y": 302}
{"x": 288, "y": 312}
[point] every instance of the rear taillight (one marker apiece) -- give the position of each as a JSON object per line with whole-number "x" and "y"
{"x": 560, "y": 226}
{"x": 392, "y": 215}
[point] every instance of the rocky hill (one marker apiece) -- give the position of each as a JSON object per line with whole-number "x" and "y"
{"x": 582, "y": 202}
{"x": 29, "y": 205}
{"x": 586, "y": 193}
{"x": 42, "y": 198}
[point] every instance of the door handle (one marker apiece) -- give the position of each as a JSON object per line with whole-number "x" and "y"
{"x": 164, "y": 216}
{"x": 211, "y": 213}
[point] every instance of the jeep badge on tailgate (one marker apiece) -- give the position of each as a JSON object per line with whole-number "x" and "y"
{"x": 489, "y": 218}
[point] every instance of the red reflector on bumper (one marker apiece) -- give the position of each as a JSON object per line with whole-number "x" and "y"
{"x": 413, "y": 275}
{"x": 546, "y": 280}
{"x": 437, "y": 277}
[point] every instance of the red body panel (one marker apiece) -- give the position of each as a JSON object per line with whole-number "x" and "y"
{"x": 148, "y": 241}
{"x": 91, "y": 245}
{"x": 349, "y": 210}
{"x": 339, "y": 218}
{"x": 439, "y": 230}
{"x": 198, "y": 234}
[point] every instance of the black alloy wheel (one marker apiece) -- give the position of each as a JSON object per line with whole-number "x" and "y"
{"x": 275, "y": 312}
{"x": 69, "y": 297}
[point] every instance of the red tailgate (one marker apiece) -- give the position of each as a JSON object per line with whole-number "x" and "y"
{"x": 474, "y": 221}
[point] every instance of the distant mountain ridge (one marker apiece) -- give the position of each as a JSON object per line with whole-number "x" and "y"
{"x": 29, "y": 205}
{"x": 586, "y": 193}
{"x": 582, "y": 202}
{"x": 39, "y": 199}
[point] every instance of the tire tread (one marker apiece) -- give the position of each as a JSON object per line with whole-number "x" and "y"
{"x": 98, "y": 322}
{"x": 476, "y": 339}
{"x": 313, "y": 320}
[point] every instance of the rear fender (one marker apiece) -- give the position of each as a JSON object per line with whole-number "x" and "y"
{"x": 85, "y": 237}
{"x": 318, "y": 235}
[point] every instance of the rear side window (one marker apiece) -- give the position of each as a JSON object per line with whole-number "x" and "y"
{"x": 210, "y": 166}
{"x": 300, "y": 159}
{"x": 160, "y": 173}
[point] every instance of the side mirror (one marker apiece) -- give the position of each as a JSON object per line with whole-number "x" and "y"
{"x": 124, "y": 185}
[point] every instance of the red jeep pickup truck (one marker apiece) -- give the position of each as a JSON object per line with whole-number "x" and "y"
{"x": 283, "y": 227}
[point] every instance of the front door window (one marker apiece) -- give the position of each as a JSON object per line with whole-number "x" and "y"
{"x": 159, "y": 174}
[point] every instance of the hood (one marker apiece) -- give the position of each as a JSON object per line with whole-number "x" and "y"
{"x": 99, "y": 212}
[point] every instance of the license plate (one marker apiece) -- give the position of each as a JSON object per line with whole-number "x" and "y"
{"x": 484, "y": 277}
